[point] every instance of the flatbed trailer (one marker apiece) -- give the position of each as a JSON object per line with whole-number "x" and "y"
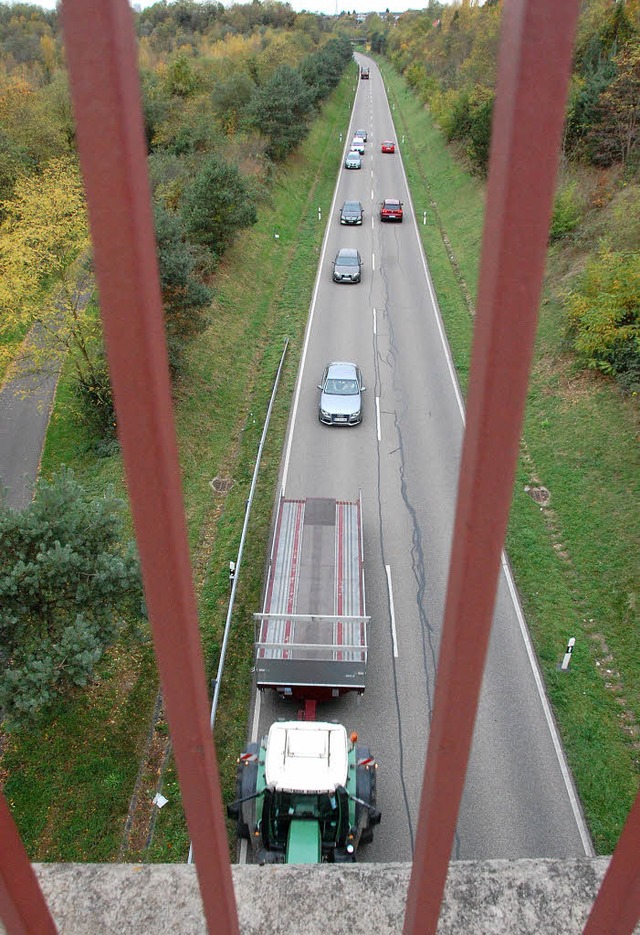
{"x": 311, "y": 636}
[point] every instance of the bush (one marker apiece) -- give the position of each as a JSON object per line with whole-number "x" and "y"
{"x": 95, "y": 404}
{"x": 184, "y": 297}
{"x": 566, "y": 213}
{"x": 481, "y": 102}
{"x": 604, "y": 316}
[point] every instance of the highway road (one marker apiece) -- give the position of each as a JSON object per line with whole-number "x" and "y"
{"x": 519, "y": 800}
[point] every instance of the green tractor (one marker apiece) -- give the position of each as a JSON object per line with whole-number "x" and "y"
{"x": 306, "y": 794}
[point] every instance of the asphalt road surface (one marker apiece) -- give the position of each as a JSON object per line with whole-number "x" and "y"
{"x": 25, "y": 405}
{"x": 519, "y": 800}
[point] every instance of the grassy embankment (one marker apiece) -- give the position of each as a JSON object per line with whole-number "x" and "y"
{"x": 575, "y": 562}
{"x": 70, "y": 779}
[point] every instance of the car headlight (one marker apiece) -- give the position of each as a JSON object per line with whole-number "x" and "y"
{"x": 325, "y": 414}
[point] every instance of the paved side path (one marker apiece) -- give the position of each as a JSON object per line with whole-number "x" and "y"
{"x": 25, "y": 405}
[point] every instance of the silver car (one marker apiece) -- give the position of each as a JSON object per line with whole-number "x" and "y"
{"x": 341, "y": 392}
{"x": 347, "y": 266}
{"x": 362, "y": 134}
{"x": 353, "y": 161}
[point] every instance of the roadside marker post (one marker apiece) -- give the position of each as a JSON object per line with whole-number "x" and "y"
{"x": 567, "y": 656}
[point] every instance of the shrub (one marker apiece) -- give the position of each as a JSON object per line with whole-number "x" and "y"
{"x": 566, "y": 213}
{"x": 604, "y": 316}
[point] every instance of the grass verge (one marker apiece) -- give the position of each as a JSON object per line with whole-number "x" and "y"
{"x": 70, "y": 779}
{"x": 575, "y": 560}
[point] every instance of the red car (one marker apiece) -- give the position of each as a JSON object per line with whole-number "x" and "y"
{"x": 388, "y": 146}
{"x": 391, "y": 210}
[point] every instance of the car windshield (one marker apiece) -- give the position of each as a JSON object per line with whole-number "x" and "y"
{"x": 341, "y": 387}
{"x": 347, "y": 260}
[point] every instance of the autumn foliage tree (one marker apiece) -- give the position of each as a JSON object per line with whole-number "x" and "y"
{"x": 44, "y": 241}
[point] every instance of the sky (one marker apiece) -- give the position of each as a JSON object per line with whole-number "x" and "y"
{"x": 313, "y": 6}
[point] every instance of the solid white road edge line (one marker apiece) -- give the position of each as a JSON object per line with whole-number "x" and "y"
{"x": 533, "y": 662}
{"x": 392, "y": 612}
{"x": 378, "y": 418}
{"x": 373, "y": 262}
{"x": 375, "y": 322}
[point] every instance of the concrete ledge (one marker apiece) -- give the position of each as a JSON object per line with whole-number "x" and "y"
{"x": 505, "y": 897}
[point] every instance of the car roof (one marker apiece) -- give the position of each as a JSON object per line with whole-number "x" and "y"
{"x": 347, "y": 251}
{"x": 385, "y": 142}
{"x": 352, "y": 206}
{"x": 391, "y": 201}
{"x": 342, "y": 368}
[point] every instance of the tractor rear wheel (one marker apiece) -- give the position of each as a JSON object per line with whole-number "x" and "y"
{"x": 246, "y": 782}
{"x": 365, "y": 790}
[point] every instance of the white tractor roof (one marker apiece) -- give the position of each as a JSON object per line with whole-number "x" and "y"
{"x": 306, "y": 756}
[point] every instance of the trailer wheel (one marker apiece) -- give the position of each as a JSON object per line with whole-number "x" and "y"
{"x": 365, "y": 790}
{"x": 246, "y": 783}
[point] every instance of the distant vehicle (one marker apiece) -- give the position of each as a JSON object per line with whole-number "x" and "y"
{"x": 364, "y": 72}
{"x": 357, "y": 145}
{"x": 391, "y": 210}
{"x": 341, "y": 392}
{"x": 353, "y": 161}
{"x": 351, "y": 212}
{"x": 388, "y": 146}
{"x": 362, "y": 134}
{"x": 347, "y": 266}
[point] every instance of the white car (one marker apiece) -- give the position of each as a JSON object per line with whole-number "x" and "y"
{"x": 357, "y": 145}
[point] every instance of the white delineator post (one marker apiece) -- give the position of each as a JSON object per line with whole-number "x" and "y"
{"x": 567, "y": 655}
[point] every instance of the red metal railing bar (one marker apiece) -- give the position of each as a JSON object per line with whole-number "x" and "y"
{"x": 23, "y": 909}
{"x": 101, "y": 53}
{"x": 533, "y": 74}
{"x": 616, "y": 909}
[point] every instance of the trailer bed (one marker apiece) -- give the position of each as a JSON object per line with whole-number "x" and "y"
{"x": 311, "y": 637}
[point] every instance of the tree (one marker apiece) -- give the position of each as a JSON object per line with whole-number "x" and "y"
{"x": 230, "y": 100}
{"x": 217, "y": 205}
{"x": 616, "y": 132}
{"x": 66, "y": 580}
{"x": 184, "y": 297}
{"x": 280, "y": 110}
{"x": 42, "y": 241}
